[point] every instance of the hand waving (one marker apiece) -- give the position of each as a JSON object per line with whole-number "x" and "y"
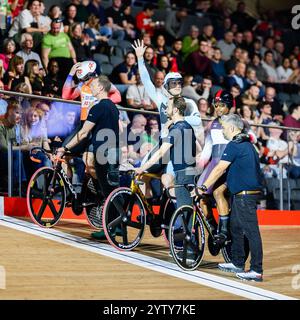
{"x": 139, "y": 48}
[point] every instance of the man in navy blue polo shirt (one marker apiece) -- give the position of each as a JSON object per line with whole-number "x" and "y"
{"x": 244, "y": 182}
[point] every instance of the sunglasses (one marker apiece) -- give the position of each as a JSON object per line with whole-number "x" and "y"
{"x": 174, "y": 83}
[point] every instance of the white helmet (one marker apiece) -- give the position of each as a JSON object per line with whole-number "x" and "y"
{"x": 171, "y": 76}
{"x": 86, "y": 70}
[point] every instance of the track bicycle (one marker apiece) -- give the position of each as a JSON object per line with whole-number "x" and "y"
{"x": 126, "y": 213}
{"x": 187, "y": 235}
{"x": 50, "y": 191}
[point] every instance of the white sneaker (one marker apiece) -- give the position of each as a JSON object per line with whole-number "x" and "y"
{"x": 229, "y": 267}
{"x": 250, "y": 276}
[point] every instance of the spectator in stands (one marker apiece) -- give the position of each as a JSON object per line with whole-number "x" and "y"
{"x": 29, "y": 21}
{"x": 227, "y": 46}
{"x": 98, "y": 10}
{"x": 269, "y": 65}
{"x": 82, "y": 10}
{"x": 137, "y": 96}
{"x": 9, "y": 48}
{"x": 236, "y": 92}
{"x": 152, "y": 133}
{"x": 175, "y": 23}
{"x": 128, "y": 21}
{"x": 284, "y": 71}
{"x": 8, "y": 129}
{"x": 26, "y": 53}
{"x": 190, "y": 42}
{"x": 134, "y": 135}
{"x": 256, "y": 64}
{"x": 247, "y": 43}
{"x": 144, "y": 21}
{"x": 158, "y": 81}
{"x": 53, "y": 84}
{"x": 268, "y": 46}
{"x": 278, "y": 52}
{"x": 16, "y": 6}
{"x": 270, "y": 97}
{"x": 218, "y": 67}
{"x": 294, "y": 152}
{"x": 23, "y": 88}
{"x": 149, "y": 58}
{"x": 125, "y": 72}
{"x": 238, "y": 39}
{"x": 295, "y": 77}
{"x": 175, "y": 56}
{"x": 251, "y": 79}
{"x": 257, "y": 45}
{"x": 203, "y": 89}
{"x": 98, "y": 36}
{"x": 160, "y": 45}
{"x": 241, "y": 18}
{"x": 147, "y": 39}
{"x": 70, "y": 17}
{"x": 278, "y": 148}
{"x": 115, "y": 18}
{"x": 250, "y": 97}
{"x": 264, "y": 118}
{"x": 204, "y": 110}
{"x": 57, "y": 44}
{"x": 238, "y": 77}
{"x": 69, "y": 122}
{"x": 234, "y": 59}
{"x": 3, "y": 102}
{"x": 248, "y": 114}
{"x": 293, "y": 118}
{"x": 208, "y": 34}
{"x": 15, "y": 74}
{"x": 163, "y": 64}
{"x": 197, "y": 62}
{"x": 33, "y": 74}
{"x": 80, "y": 42}
{"x": 54, "y": 12}
{"x": 33, "y": 130}
{"x": 189, "y": 89}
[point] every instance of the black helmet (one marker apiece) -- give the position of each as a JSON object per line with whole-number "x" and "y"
{"x": 225, "y": 97}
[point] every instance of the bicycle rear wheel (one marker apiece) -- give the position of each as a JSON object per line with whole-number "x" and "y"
{"x": 124, "y": 219}
{"x": 93, "y": 213}
{"x": 167, "y": 213}
{"x": 46, "y": 197}
{"x": 226, "y": 250}
{"x": 187, "y": 238}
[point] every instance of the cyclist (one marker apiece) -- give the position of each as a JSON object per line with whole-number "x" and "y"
{"x": 215, "y": 144}
{"x": 173, "y": 83}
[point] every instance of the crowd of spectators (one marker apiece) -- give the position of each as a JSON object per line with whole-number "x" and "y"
{"x": 250, "y": 57}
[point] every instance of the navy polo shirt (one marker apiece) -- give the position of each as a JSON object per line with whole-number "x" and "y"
{"x": 244, "y": 171}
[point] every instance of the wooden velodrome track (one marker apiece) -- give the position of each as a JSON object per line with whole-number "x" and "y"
{"x": 63, "y": 263}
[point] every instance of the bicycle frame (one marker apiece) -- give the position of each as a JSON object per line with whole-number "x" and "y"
{"x": 65, "y": 178}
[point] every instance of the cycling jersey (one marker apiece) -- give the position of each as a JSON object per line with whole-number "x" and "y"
{"x": 83, "y": 90}
{"x": 192, "y": 114}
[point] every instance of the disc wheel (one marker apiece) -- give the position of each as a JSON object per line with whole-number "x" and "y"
{"x": 187, "y": 239}
{"x": 124, "y": 219}
{"x": 46, "y": 197}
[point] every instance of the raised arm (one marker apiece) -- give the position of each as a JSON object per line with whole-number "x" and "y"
{"x": 139, "y": 49}
{"x": 70, "y": 91}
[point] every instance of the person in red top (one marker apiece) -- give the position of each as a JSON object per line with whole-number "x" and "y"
{"x": 144, "y": 21}
{"x": 293, "y": 119}
{"x": 16, "y": 6}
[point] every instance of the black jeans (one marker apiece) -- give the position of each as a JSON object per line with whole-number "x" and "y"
{"x": 243, "y": 222}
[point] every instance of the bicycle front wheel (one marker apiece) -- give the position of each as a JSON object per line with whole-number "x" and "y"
{"x": 46, "y": 197}
{"x": 124, "y": 219}
{"x": 187, "y": 238}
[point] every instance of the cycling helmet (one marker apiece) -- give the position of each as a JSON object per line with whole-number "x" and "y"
{"x": 86, "y": 71}
{"x": 225, "y": 97}
{"x": 171, "y": 76}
